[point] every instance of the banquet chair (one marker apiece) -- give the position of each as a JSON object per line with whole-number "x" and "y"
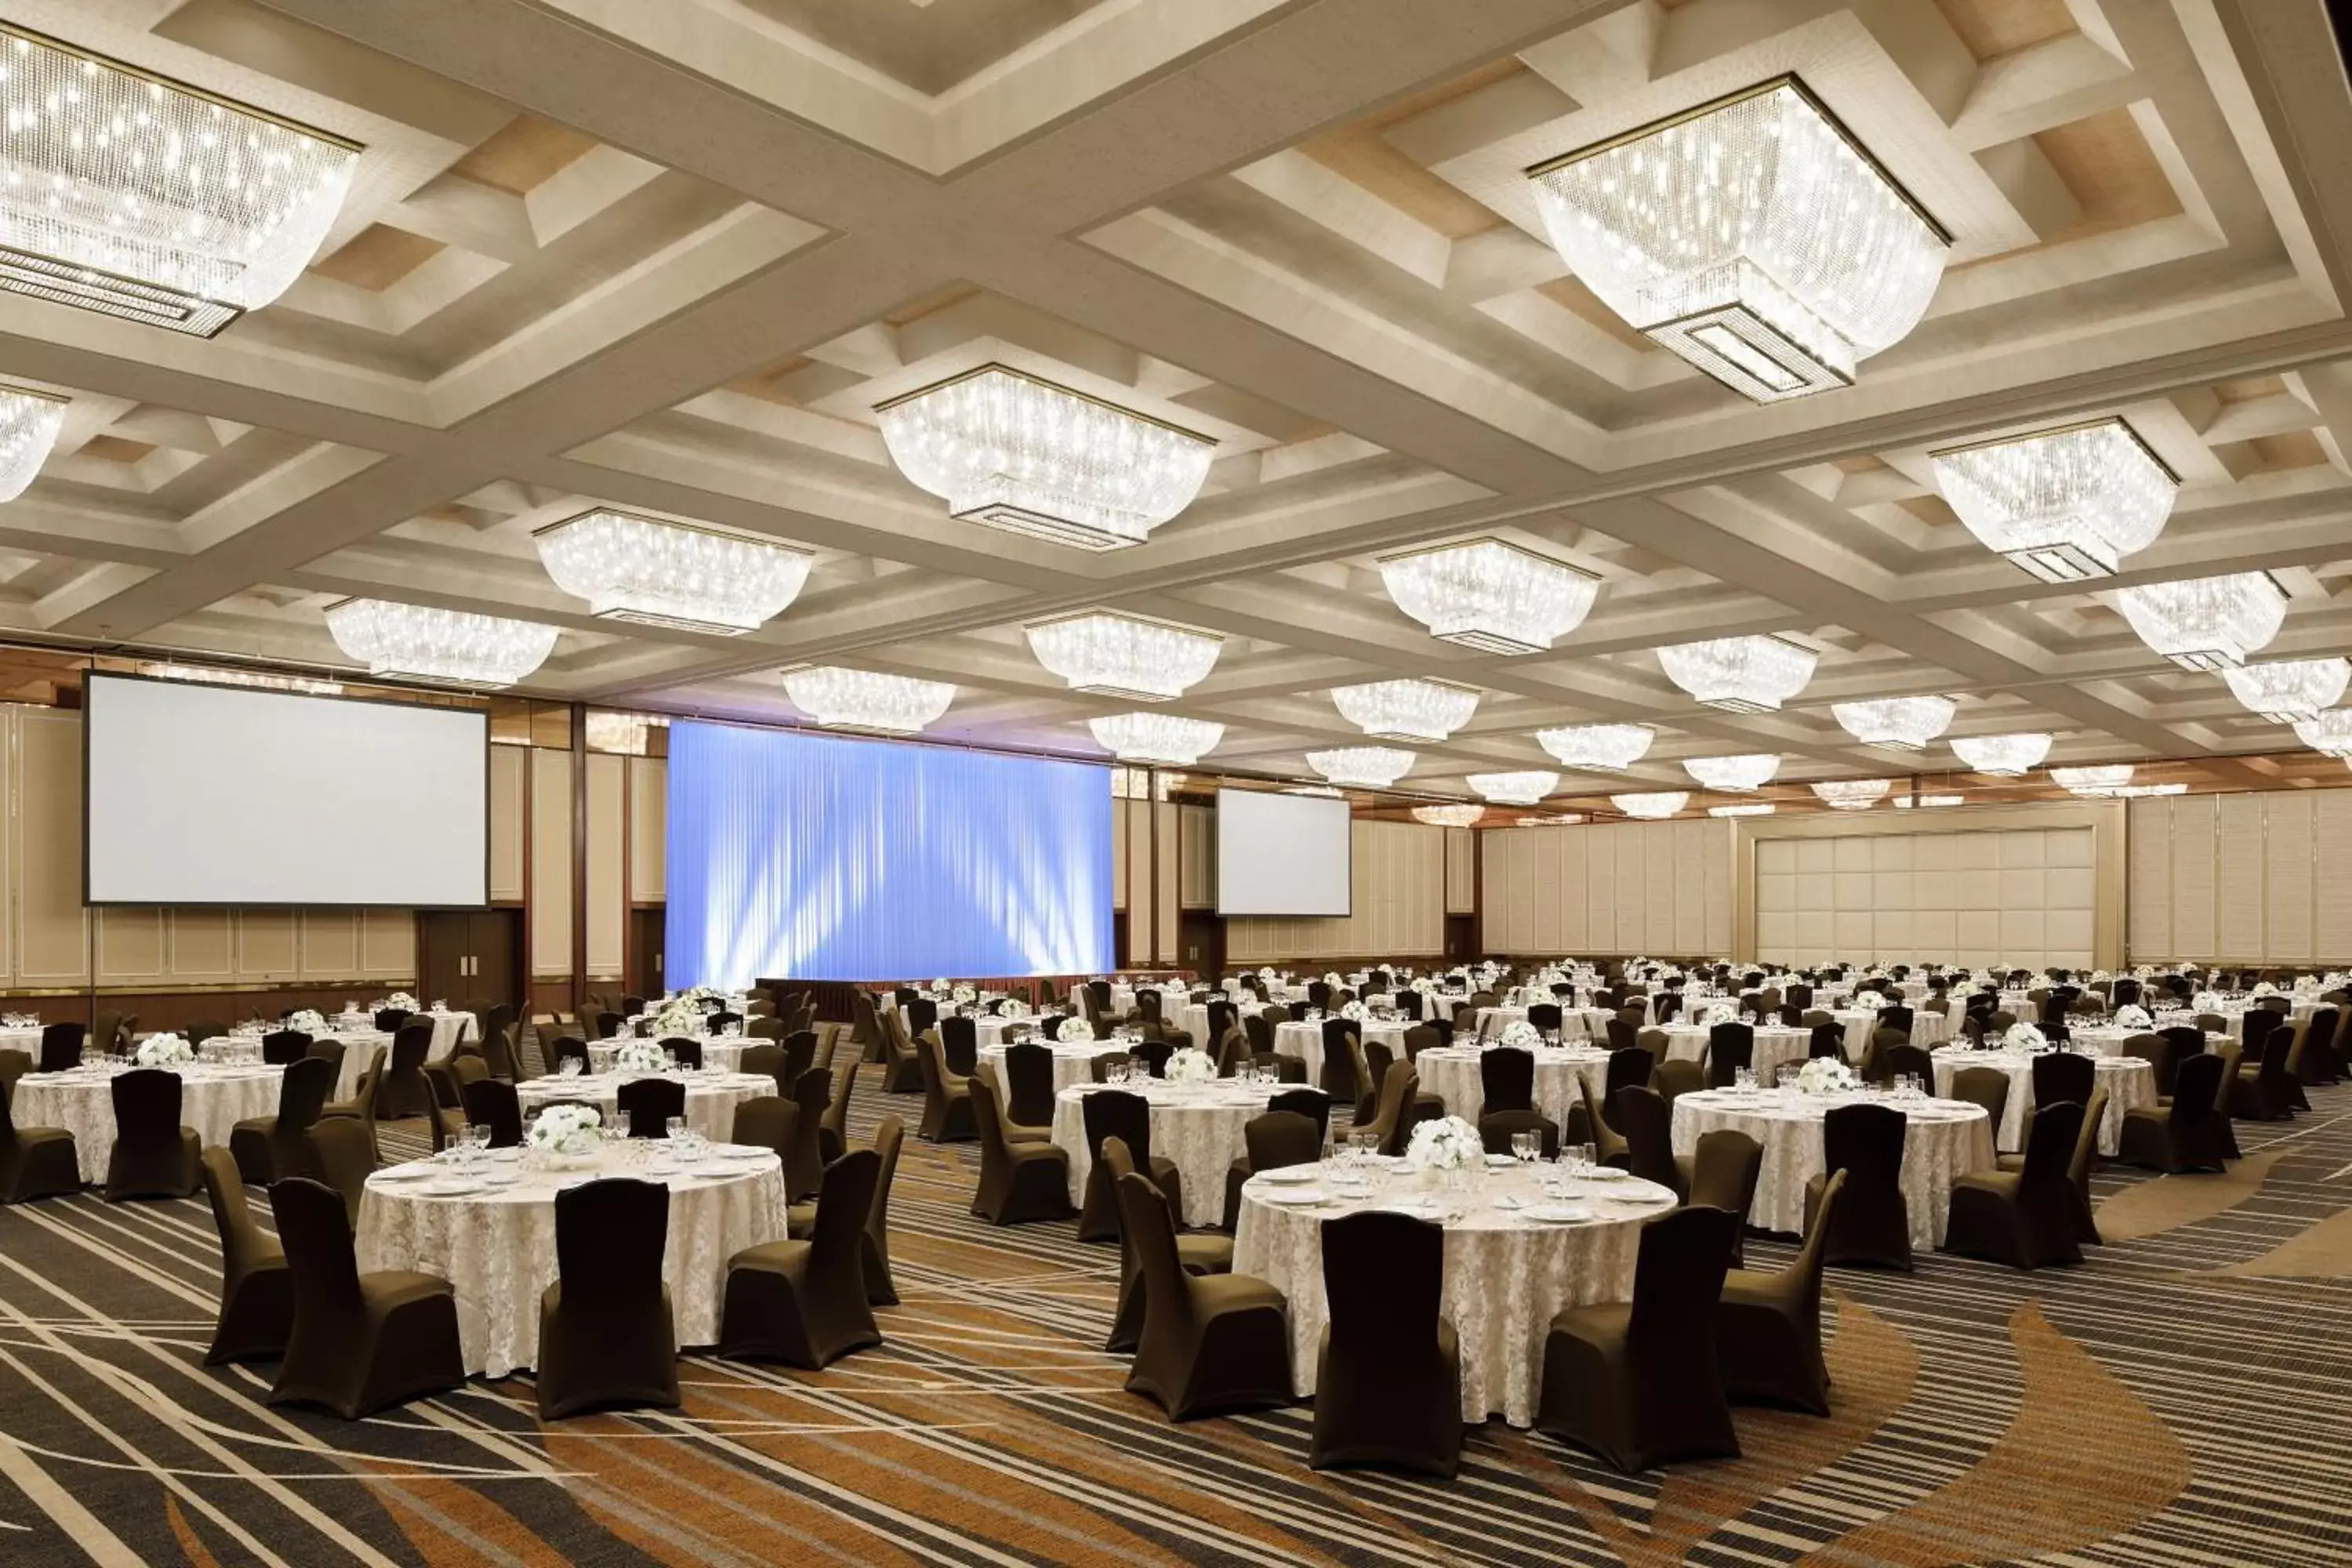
{"x": 960, "y": 1046}
{"x": 902, "y": 1073}
{"x": 1898, "y": 1016}
{"x": 1018, "y": 1180}
{"x": 1408, "y": 1003}
{"x": 360, "y": 1106}
{"x": 204, "y": 1029}
{"x": 268, "y": 1147}
{"x": 402, "y": 1090}
{"x": 1828, "y": 1039}
{"x": 881, "y": 1290}
{"x": 1986, "y": 1086}
{"x": 1199, "y": 1252}
{"x": 1768, "y": 1327}
{"x": 105, "y": 1035}
{"x": 1388, "y": 1378}
{"x": 1873, "y": 1225}
{"x": 1729, "y": 1048}
{"x": 607, "y": 1335}
{"x": 1628, "y": 1065}
{"x": 1507, "y": 1076}
{"x": 502, "y": 1050}
{"x": 1498, "y": 1128}
{"x": 1310, "y": 1102}
{"x": 2211, "y": 1023}
{"x": 685, "y": 1052}
{"x": 1154, "y": 1054}
{"x": 947, "y": 1097}
{"x": 608, "y": 1025}
{"x": 920, "y": 1016}
{"x": 1666, "y": 1007}
{"x": 2263, "y": 1091}
{"x": 1371, "y": 1067}
{"x": 281, "y": 1048}
{"x": 1624, "y": 1033}
{"x": 767, "y": 1121}
{"x": 1116, "y": 1113}
{"x": 1391, "y": 1125}
{"x": 61, "y": 1046}
{"x": 1422, "y": 1037}
{"x": 1029, "y": 1089}
{"x": 804, "y": 1161}
{"x": 2186, "y": 1041}
{"x": 2024, "y": 1217}
{"x": 1721, "y": 1173}
{"x": 1233, "y": 1052}
{"x": 2063, "y": 1075}
{"x": 768, "y": 1061}
{"x": 1676, "y": 1076}
{"x": 1275, "y": 1138}
{"x": 1821, "y": 1017}
{"x": 1338, "y": 1078}
{"x": 492, "y": 1102}
{"x": 257, "y": 1311}
{"x": 571, "y": 1046}
{"x": 388, "y": 1020}
{"x": 1259, "y": 1027}
{"x": 800, "y": 1054}
{"x": 154, "y": 1156}
{"x": 445, "y": 1119}
{"x": 763, "y": 1026}
{"x": 1587, "y": 1125}
{"x": 337, "y": 1153}
{"x": 647, "y": 1104}
{"x": 35, "y": 1162}
{"x": 2312, "y": 1062}
{"x": 1647, "y": 1124}
{"x": 1209, "y": 1343}
{"x": 358, "y": 1342}
{"x": 1799, "y": 996}
{"x": 2187, "y": 1134}
{"x": 1148, "y": 1008}
{"x": 1639, "y": 1383}
{"x": 804, "y": 1302}
{"x": 1546, "y": 1017}
{"x": 2078, "y": 1169}
{"x": 1899, "y": 1060}
{"x": 832, "y": 1122}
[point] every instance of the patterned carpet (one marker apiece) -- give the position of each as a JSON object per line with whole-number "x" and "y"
{"x": 2179, "y": 1402}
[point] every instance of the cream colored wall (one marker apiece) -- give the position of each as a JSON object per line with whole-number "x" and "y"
{"x": 2243, "y": 878}
{"x": 550, "y": 864}
{"x": 1397, "y": 905}
{"x": 1461, "y": 871}
{"x": 648, "y": 829}
{"x": 1609, "y": 888}
{"x": 606, "y": 891}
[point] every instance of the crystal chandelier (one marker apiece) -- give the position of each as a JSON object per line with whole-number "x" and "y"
{"x": 1852, "y": 795}
{"x": 1017, "y": 453}
{"x": 29, "y": 422}
{"x": 1740, "y": 773}
{"x": 1550, "y": 820}
{"x": 2206, "y": 622}
{"x": 1362, "y": 767}
{"x": 1662, "y": 802}
{"x": 2290, "y": 689}
{"x": 2138, "y": 792}
{"x": 660, "y": 573}
{"x": 863, "y": 699}
{"x": 1406, "y": 709}
{"x": 1515, "y": 789}
{"x": 139, "y": 198}
{"x": 2003, "y": 756}
{"x": 2093, "y": 782}
{"x": 1752, "y": 236}
{"x": 1121, "y": 656}
{"x": 1899, "y": 723}
{"x": 1462, "y": 813}
{"x": 1596, "y": 748}
{"x": 2330, "y": 732}
{"x": 1750, "y": 808}
{"x": 1490, "y": 595}
{"x": 2063, "y": 505}
{"x": 1156, "y": 737}
{"x": 419, "y": 643}
{"x": 1739, "y": 675}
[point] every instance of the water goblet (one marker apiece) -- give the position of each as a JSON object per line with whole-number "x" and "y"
{"x": 674, "y": 1129}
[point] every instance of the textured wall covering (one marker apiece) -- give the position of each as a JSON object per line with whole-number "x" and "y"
{"x": 817, "y": 858}
{"x": 2025, "y": 897}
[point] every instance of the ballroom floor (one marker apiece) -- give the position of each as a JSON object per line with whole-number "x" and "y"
{"x": 2180, "y": 1400}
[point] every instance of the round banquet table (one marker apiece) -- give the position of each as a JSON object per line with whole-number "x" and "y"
{"x": 1074, "y": 1064}
{"x": 710, "y": 1096}
{"x": 1928, "y": 1029}
{"x": 495, "y": 1243}
{"x": 1508, "y": 1274}
{"x": 1304, "y": 1041}
{"x": 719, "y": 1054}
{"x": 1946, "y": 1140}
{"x": 24, "y": 1039}
{"x": 212, "y": 1101}
{"x": 2130, "y": 1083}
{"x": 1198, "y": 1128}
{"x": 1776, "y": 1045}
{"x": 449, "y": 1030}
{"x": 2233, "y": 1013}
{"x": 1452, "y": 1073}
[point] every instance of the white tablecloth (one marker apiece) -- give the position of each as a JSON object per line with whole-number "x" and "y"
{"x": 1073, "y": 1064}
{"x": 26, "y": 1040}
{"x": 1452, "y": 1072}
{"x": 449, "y": 1031}
{"x": 1198, "y": 1129}
{"x": 2129, "y": 1081}
{"x": 1304, "y": 1041}
{"x": 1946, "y": 1140}
{"x": 710, "y": 1096}
{"x": 2234, "y": 1014}
{"x": 1775, "y": 1044}
{"x": 496, "y": 1246}
{"x": 1928, "y": 1029}
{"x": 720, "y": 1055}
{"x": 212, "y": 1101}
{"x": 1506, "y": 1275}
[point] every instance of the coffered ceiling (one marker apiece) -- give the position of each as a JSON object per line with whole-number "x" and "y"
{"x": 671, "y": 257}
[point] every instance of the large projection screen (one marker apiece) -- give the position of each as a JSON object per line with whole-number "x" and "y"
{"x": 811, "y": 856}
{"x": 1282, "y": 854}
{"x": 223, "y": 794}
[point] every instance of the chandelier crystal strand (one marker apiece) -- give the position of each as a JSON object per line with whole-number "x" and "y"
{"x": 2330, "y": 732}
{"x": 660, "y": 573}
{"x": 1739, "y": 773}
{"x": 2094, "y": 781}
{"x": 132, "y": 196}
{"x": 1490, "y": 595}
{"x": 2002, "y": 756}
{"x": 1462, "y": 814}
{"x": 420, "y": 643}
{"x": 1739, "y": 675}
{"x": 2064, "y": 506}
{"x": 1899, "y": 723}
{"x": 863, "y": 699}
{"x": 1156, "y": 737}
{"x": 1596, "y": 748}
{"x": 1122, "y": 656}
{"x": 1751, "y": 236}
{"x": 1016, "y": 453}
{"x": 1406, "y": 709}
{"x": 2290, "y": 689}
{"x": 1527, "y": 788}
{"x": 1852, "y": 795}
{"x": 1651, "y": 805}
{"x": 29, "y": 422}
{"x": 1362, "y": 767}
{"x": 2206, "y": 622}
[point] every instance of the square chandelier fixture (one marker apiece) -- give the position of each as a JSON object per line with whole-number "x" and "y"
{"x": 2290, "y": 689}
{"x": 1004, "y": 449}
{"x": 2099, "y": 782}
{"x": 1852, "y": 795}
{"x": 1406, "y": 709}
{"x": 1739, "y": 675}
{"x": 2329, "y": 732}
{"x": 1596, "y": 748}
{"x": 1527, "y": 788}
{"x": 1752, "y": 236}
{"x": 151, "y": 201}
{"x": 661, "y": 574}
{"x": 1453, "y": 814}
{"x": 1739, "y": 775}
{"x": 2063, "y": 505}
{"x": 865, "y": 701}
{"x": 1490, "y": 595}
{"x": 29, "y": 422}
{"x": 1163, "y": 738}
{"x": 1897, "y": 723}
{"x": 1123, "y": 656}
{"x": 1362, "y": 767}
{"x": 2206, "y": 622}
{"x": 418, "y": 642}
{"x": 1649, "y": 806}
{"x": 2002, "y": 756}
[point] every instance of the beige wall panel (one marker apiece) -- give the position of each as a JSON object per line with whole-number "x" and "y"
{"x": 1398, "y": 884}
{"x": 2238, "y": 878}
{"x": 266, "y": 949}
{"x": 1167, "y": 922}
{"x": 1196, "y": 879}
{"x": 1141, "y": 902}
{"x": 388, "y": 945}
{"x": 1539, "y": 871}
{"x": 203, "y": 950}
{"x": 2195, "y": 828}
{"x": 1575, "y": 919}
{"x": 131, "y": 946}
{"x": 551, "y": 864}
{"x": 508, "y": 786}
{"x": 1658, "y": 889}
{"x": 2287, "y": 877}
{"x": 1461, "y": 871}
{"x": 607, "y": 889}
{"x": 1118, "y": 854}
{"x": 2150, "y": 896}
{"x": 331, "y": 944}
{"x": 648, "y": 829}
{"x": 2331, "y": 900}
{"x": 53, "y": 929}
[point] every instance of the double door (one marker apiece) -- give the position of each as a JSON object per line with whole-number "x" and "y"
{"x": 468, "y": 955}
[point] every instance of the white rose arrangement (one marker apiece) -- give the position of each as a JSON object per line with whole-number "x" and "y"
{"x": 1715, "y": 1013}
{"x": 1353, "y": 1012}
{"x": 2206, "y": 1002}
{"x": 2025, "y": 1038}
{"x": 963, "y": 995}
{"x": 1075, "y": 1029}
{"x": 1825, "y": 1075}
{"x": 163, "y": 1051}
{"x": 1520, "y": 1035}
{"x": 1013, "y": 1007}
{"x": 401, "y": 1000}
{"x": 1191, "y": 1065}
{"x": 2263, "y": 989}
{"x": 568, "y": 1129}
{"x": 1448, "y": 1144}
{"x": 640, "y": 1056}
{"x": 2132, "y": 1016}
{"x": 678, "y": 1017}
{"x": 308, "y": 1020}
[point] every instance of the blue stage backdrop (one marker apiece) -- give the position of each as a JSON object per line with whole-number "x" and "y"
{"x": 814, "y": 858}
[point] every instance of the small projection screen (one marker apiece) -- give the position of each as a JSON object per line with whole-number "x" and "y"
{"x": 1282, "y": 854}
{"x": 197, "y": 794}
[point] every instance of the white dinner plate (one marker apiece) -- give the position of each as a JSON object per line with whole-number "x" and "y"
{"x": 454, "y": 1188}
{"x": 1501, "y": 1161}
{"x": 1411, "y": 1205}
{"x": 1294, "y": 1195}
{"x": 743, "y": 1152}
{"x": 1606, "y": 1173}
{"x": 402, "y": 1173}
{"x": 1560, "y": 1213}
{"x": 1291, "y": 1176}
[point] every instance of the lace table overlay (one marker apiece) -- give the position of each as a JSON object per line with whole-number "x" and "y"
{"x": 710, "y": 1096}
{"x": 1775, "y": 1044}
{"x": 1452, "y": 1073}
{"x": 1304, "y": 1041}
{"x": 212, "y": 1101}
{"x": 1074, "y": 1064}
{"x": 2129, "y": 1081}
{"x": 1198, "y": 1129}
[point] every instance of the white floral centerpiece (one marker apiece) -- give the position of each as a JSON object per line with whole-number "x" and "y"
{"x": 2132, "y": 1016}
{"x": 2206, "y": 1002}
{"x": 1074, "y": 1030}
{"x": 1013, "y": 1007}
{"x": 1825, "y": 1075}
{"x": 1424, "y": 985}
{"x": 401, "y": 1000}
{"x": 1520, "y": 1035}
{"x": 963, "y": 995}
{"x": 566, "y": 1134}
{"x": 163, "y": 1051}
{"x": 640, "y": 1056}
{"x": 308, "y": 1020}
{"x": 1715, "y": 1013}
{"x": 2025, "y": 1038}
{"x": 1191, "y": 1065}
{"x": 1446, "y": 1144}
{"x": 678, "y": 1017}
{"x": 1353, "y": 1012}
{"x": 2263, "y": 988}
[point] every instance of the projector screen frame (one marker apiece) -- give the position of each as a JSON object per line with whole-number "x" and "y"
{"x": 1346, "y": 913}
{"x": 91, "y": 678}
